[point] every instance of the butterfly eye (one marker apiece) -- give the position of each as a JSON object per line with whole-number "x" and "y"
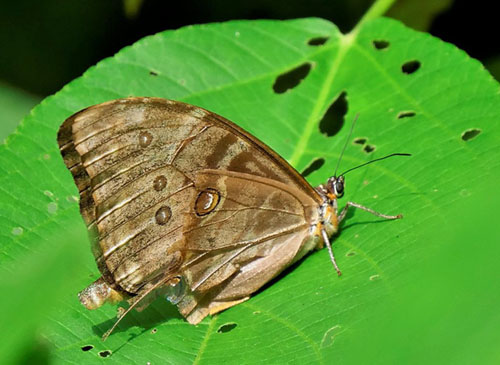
{"x": 339, "y": 188}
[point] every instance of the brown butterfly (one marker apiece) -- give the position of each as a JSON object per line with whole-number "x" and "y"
{"x": 179, "y": 201}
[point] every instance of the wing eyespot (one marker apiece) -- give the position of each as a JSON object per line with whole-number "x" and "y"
{"x": 160, "y": 182}
{"x": 206, "y": 201}
{"x": 163, "y": 215}
{"x": 145, "y": 139}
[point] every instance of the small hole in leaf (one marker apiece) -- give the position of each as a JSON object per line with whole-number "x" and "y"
{"x": 313, "y": 166}
{"x": 380, "y": 44}
{"x": 153, "y": 73}
{"x": 120, "y": 311}
{"x": 154, "y": 330}
{"x": 333, "y": 120}
{"x": 406, "y": 114}
{"x": 410, "y": 67}
{"x": 360, "y": 141}
{"x": 470, "y": 134}
{"x": 318, "y": 41}
{"x": 226, "y": 327}
{"x": 369, "y": 148}
{"x": 291, "y": 79}
{"x": 105, "y": 353}
{"x": 87, "y": 348}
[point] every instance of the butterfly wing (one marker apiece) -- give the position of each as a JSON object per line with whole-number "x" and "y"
{"x": 257, "y": 229}
{"x": 119, "y": 154}
{"x": 169, "y": 189}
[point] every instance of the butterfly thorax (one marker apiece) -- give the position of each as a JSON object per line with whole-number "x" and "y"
{"x": 329, "y": 220}
{"x": 326, "y": 220}
{"x": 329, "y": 192}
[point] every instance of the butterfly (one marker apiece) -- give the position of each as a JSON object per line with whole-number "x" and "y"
{"x": 181, "y": 202}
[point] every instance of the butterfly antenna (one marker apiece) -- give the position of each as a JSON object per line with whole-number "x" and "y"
{"x": 132, "y": 306}
{"x": 372, "y": 161}
{"x": 346, "y": 142}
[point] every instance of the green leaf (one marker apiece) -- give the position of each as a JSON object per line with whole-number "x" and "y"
{"x": 309, "y": 315}
{"x": 444, "y": 313}
{"x": 14, "y": 105}
{"x": 37, "y": 284}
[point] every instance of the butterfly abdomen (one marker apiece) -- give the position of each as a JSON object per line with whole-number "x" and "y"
{"x": 98, "y": 293}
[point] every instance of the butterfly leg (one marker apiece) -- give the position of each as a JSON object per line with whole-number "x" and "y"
{"x": 359, "y": 206}
{"x": 326, "y": 240}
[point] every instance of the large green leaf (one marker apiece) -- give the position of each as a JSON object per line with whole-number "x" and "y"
{"x": 14, "y": 105}
{"x": 447, "y": 310}
{"x": 309, "y": 315}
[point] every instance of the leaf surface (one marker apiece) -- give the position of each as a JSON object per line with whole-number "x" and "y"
{"x": 414, "y": 93}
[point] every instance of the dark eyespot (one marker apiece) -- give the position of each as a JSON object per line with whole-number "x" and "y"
{"x": 163, "y": 215}
{"x": 206, "y": 201}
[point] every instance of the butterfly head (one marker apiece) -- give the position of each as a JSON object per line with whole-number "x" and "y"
{"x": 332, "y": 190}
{"x": 335, "y": 187}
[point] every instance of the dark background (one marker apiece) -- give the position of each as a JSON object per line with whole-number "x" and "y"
{"x": 45, "y": 44}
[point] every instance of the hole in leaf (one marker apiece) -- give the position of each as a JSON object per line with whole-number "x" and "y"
{"x": 410, "y": 67}
{"x": 154, "y": 330}
{"x": 87, "y": 348}
{"x": 153, "y": 73}
{"x": 380, "y": 44}
{"x": 105, "y": 353}
{"x": 369, "y": 148}
{"x": 406, "y": 114}
{"x": 291, "y": 79}
{"x": 470, "y": 134}
{"x": 226, "y": 327}
{"x": 313, "y": 166}
{"x": 333, "y": 120}
{"x": 360, "y": 141}
{"x": 318, "y": 41}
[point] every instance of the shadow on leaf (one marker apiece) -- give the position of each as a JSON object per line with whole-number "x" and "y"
{"x": 158, "y": 312}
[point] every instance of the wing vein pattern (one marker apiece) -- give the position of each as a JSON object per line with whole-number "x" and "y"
{"x": 168, "y": 189}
